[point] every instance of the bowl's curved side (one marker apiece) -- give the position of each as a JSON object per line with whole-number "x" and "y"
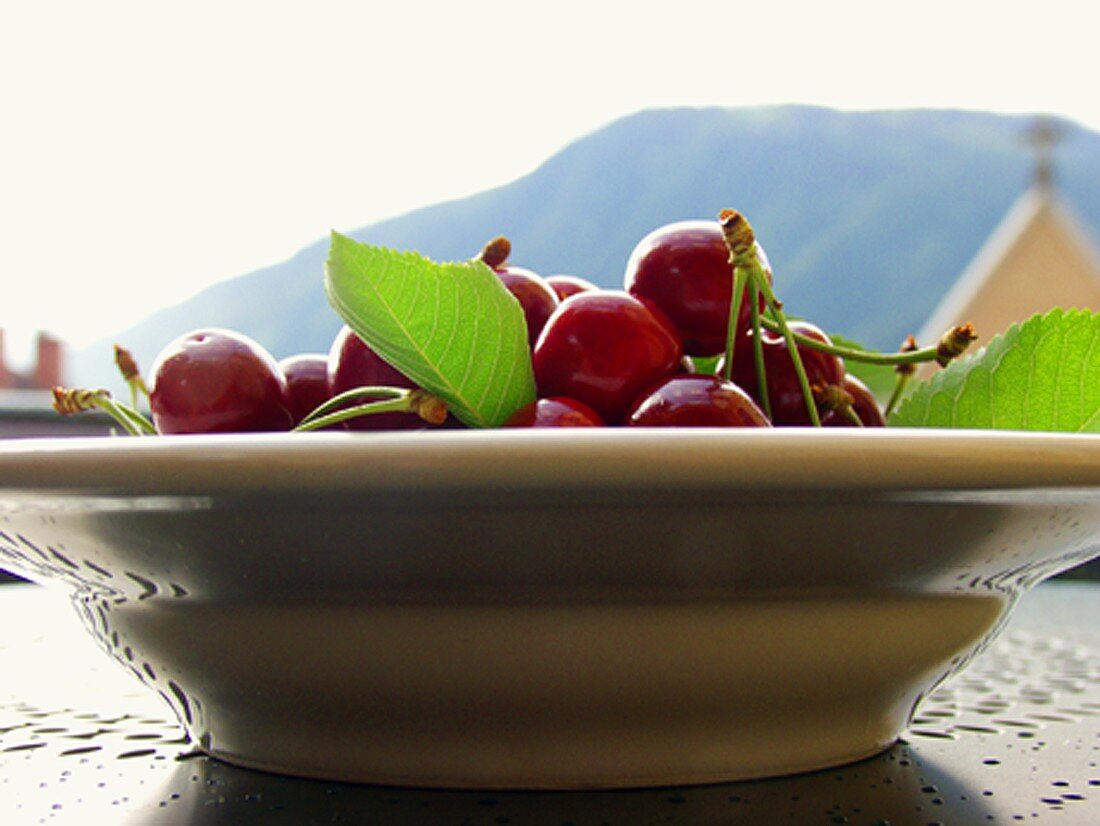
{"x": 482, "y": 639}
{"x": 550, "y": 696}
{"x": 476, "y": 545}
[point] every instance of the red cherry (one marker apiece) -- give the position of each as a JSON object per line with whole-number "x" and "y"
{"x": 537, "y": 298}
{"x": 217, "y": 381}
{"x": 604, "y": 348}
{"x": 306, "y": 377}
{"x": 556, "y": 411}
{"x": 351, "y": 364}
{"x": 696, "y": 401}
{"x": 684, "y": 269}
{"x": 864, "y": 404}
{"x": 567, "y": 285}
{"x": 788, "y": 405}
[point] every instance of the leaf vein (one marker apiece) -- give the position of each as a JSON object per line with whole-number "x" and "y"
{"x": 1087, "y": 418}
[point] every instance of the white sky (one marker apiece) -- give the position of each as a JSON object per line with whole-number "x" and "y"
{"x": 150, "y": 149}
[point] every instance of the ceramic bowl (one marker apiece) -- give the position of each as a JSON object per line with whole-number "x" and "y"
{"x": 547, "y": 609}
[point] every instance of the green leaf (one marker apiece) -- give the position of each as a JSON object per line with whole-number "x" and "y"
{"x": 1043, "y": 374}
{"x": 453, "y": 328}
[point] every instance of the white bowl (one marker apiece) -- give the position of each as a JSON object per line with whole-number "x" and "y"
{"x": 548, "y": 609}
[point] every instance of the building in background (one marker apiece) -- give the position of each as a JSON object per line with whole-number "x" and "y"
{"x": 25, "y": 396}
{"x": 47, "y": 371}
{"x": 1038, "y": 258}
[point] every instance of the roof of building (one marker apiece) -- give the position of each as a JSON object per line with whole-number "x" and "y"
{"x": 1039, "y": 256}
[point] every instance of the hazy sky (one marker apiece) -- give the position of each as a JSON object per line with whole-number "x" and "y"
{"x": 148, "y": 150}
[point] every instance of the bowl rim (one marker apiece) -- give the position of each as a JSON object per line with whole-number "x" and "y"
{"x": 577, "y": 458}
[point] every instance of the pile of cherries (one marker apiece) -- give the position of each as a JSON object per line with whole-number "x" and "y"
{"x": 600, "y": 357}
{"x": 611, "y": 357}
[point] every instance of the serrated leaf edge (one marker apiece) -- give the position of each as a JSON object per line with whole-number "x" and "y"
{"x": 962, "y": 370}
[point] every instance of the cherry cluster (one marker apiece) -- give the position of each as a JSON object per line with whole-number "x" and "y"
{"x": 600, "y": 357}
{"x": 695, "y": 337}
{"x": 630, "y": 357}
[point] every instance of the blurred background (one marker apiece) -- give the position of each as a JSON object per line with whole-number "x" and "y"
{"x": 166, "y": 168}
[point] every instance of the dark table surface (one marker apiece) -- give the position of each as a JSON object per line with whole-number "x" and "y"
{"x": 1014, "y": 738}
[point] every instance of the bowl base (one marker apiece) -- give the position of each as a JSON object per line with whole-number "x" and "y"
{"x": 547, "y": 696}
{"x": 587, "y": 783}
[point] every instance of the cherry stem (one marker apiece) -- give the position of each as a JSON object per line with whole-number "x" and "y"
{"x": 954, "y": 342}
{"x": 495, "y": 252}
{"x": 128, "y": 367}
{"x": 758, "y": 352}
{"x": 835, "y": 398}
{"x": 369, "y": 408}
{"x": 741, "y": 242}
{"x": 357, "y": 395}
{"x": 365, "y": 401}
{"x": 142, "y": 426}
{"x": 792, "y": 345}
{"x": 740, "y": 278}
{"x": 896, "y": 393}
{"x": 68, "y": 401}
{"x": 938, "y": 352}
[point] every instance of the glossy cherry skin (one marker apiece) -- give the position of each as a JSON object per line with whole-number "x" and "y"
{"x": 684, "y": 269}
{"x": 537, "y": 298}
{"x": 306, "y": 377}
{"x": 351, "y": 364}
{"x": 217, "y": 381}
{"x": 788, "y": 406}
{"x": 567, "y": 285}
{"x": 604, "y": 348}
{"x": 696, "y": 401}
{"x": 864, "y": 404}
{"x": 557, "y": 411}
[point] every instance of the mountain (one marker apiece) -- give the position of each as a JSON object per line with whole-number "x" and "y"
{"x": 867, "y": 217}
